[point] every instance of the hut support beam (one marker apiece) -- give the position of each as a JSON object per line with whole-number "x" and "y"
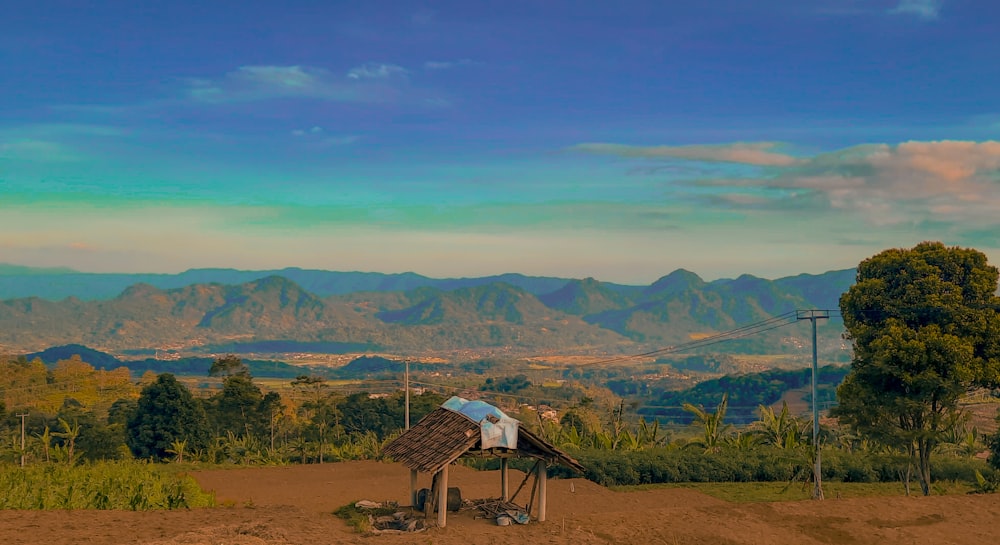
{"x": 542, "y": 492}
{"x": 413, "y": 487}
{"x": 432, "y": 495}
{"x": 504, "y": 485}
{"x": 442, "y": 500}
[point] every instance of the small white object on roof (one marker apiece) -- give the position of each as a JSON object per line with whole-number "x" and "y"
{"x": 498, "y": 431}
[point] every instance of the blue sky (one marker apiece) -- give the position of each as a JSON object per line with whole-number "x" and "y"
{"x": 617, "y": 140}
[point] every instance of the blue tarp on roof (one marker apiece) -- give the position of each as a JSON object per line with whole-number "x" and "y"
{"x": 502, "y": 433}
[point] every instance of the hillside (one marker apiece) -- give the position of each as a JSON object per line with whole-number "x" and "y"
{"x": 578, "y": 316}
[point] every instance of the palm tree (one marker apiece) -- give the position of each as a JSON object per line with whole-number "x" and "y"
{"x": 46, "y": 438}
{"x": 779, "y": 429}
{"x": 69, "y": 434}
{"x": 177, "y": 448}
{"x": 712, "y": 425}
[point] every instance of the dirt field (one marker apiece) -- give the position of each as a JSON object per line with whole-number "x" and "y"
{"x": 286, "y": 505}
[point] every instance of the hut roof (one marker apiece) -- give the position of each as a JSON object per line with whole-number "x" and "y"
{"x": 444, "y": 435}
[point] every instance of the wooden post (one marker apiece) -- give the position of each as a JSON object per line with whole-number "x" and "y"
{"x": 442, "y": 503}
{"x": 542, "y": 478}
{"x": 413, "y": 487}
{"x": 504, "y": 488}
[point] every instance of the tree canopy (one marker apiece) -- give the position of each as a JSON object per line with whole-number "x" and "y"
{"x": 925, "y": 329}
{"x": 166, "y": 413}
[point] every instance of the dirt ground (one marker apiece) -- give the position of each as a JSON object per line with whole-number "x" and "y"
{"x": 293, "y": 505}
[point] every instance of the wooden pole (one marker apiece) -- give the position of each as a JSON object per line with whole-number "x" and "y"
{"x": 432, "y": 495}
{"x": 534, "y": 487}
{"x": 23, "y": 416}
{"x": 542, "y": 478}
{"x": 442, "y": 503}
{"x": 504, "y": 485}
{"x": 520, "y": 486}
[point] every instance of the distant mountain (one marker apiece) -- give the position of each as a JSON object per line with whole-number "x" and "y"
{"x": 96, "y": 358}
{"x": 681, "y": 307}
{"x": 18, "y": 282}
{"x": 178, "y": 366}
{"x": 585, "y": 297}
{"x": 276, "y": 314}
{"x": 144, "y": 316}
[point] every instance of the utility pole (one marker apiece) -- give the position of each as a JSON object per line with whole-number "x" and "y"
{"x": 406, "y": 387}
{"x": 23, "y": 416}
{"x": 406, "y": 417}
{"x": 812, "y": 316}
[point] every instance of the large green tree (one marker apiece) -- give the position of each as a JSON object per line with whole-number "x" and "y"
{"x": 166, "y": 413}
{"x": 925, "y": 329}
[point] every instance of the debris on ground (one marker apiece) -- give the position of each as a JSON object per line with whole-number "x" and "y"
{"x": 503, "y": 512}
{"x": 387, "y": 517}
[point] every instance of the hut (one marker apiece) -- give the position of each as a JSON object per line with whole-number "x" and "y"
{"x": 462, "y": 428}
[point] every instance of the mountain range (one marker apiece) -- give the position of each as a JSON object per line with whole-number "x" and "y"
{"x": 304, "y": 310}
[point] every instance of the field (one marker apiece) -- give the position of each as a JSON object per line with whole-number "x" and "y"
{"x": 293, "y": 505}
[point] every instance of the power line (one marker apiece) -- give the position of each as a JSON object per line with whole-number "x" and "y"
{"x": 775, "y": 322}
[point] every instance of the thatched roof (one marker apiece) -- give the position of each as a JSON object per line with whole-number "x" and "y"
{"x": 444, "y": 435}
{"x": 434, "y": 442}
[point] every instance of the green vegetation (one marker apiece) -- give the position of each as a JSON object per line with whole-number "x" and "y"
{"x": 736, "y": 463}
{"x": 926, "y": 329}
{"x": 745, "y": 393}
{"x": 361, "y": 519}
{"x": 134, "y": 486}
{"x": 166, "y": 413}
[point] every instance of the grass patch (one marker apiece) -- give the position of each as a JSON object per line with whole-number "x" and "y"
{"x": 361, "y": 519}
{"x": 778, "y": 491}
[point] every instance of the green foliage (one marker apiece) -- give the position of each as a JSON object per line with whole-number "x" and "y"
{"x": 228, "y": 366}
{"x": 711, "y": 424}
{"x": 134, "y": 486}
{"x": 362, "y": 519}
{"x": 985, "y": 485}
{"x": 166, "y": 413}
{"x": 761, "y": 463}
{"x": 241, "y": 407}
{"x": 508, "y": 385}
{"x": 925, "y": 328}
{"x": 778, "y": 429}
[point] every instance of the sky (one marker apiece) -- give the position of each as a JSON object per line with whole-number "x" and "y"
{"x": 615, "y": 140}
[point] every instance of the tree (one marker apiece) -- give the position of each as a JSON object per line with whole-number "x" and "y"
{"x": 925, "y": 328}
{"x": 234, "y": 409}
{"x": 166, "y": 413}
{"x": 227, "y": 366}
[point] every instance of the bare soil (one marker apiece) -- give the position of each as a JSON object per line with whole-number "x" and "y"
{"x": 294, "y": 505}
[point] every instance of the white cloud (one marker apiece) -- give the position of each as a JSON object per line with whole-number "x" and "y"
{"x": 445, "y": 65}
{"x": 377, "y": 71}
{"x": 250, "y": 83}
{"x": 368, "y": 83}
{"x": 932, "y": 185}
{"x": 924, "y": 9}
{"x": 748, "y": 153}
{"x": 317, "y": 136}
{"x": 956, "y": 182}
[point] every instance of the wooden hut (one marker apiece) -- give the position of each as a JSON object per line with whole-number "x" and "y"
{"x": 446, "y": 435}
